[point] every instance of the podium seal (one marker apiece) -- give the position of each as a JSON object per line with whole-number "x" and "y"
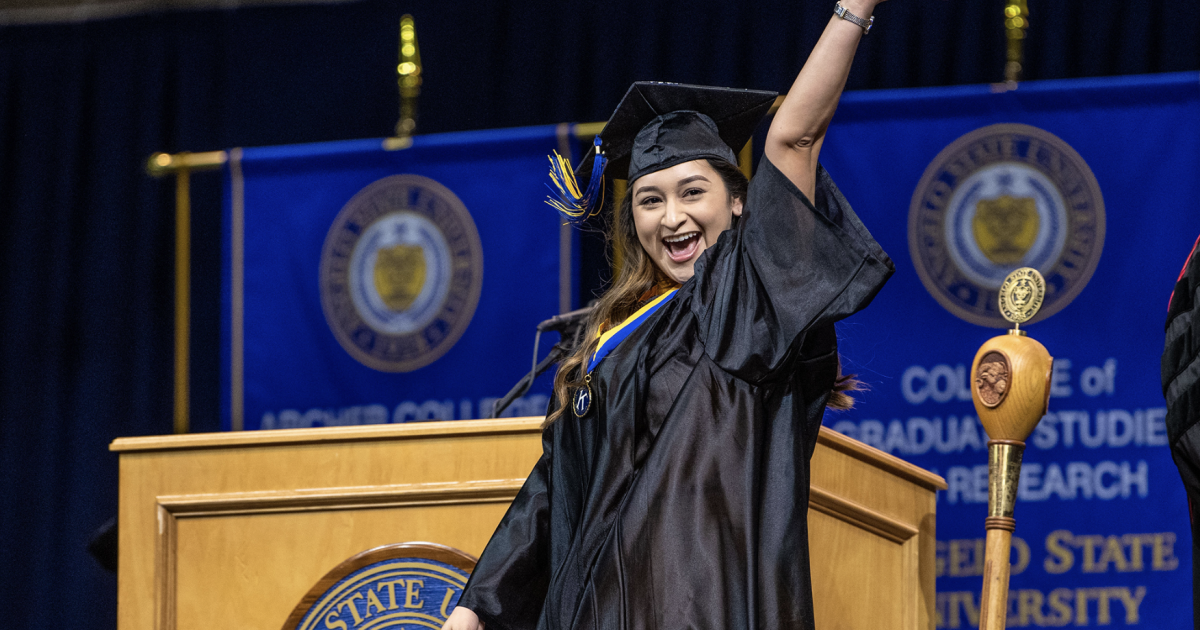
{"x": 404, "y": 586}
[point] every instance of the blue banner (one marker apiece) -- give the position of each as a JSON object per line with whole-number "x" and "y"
{"x": 1094, "y": 183}
{"x": 368, "y": 283}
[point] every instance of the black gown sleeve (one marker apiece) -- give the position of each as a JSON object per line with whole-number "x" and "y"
{"x": 789, "y": 266}
{"x": 509, "y": 583}
{"x": 1181, "y": 388}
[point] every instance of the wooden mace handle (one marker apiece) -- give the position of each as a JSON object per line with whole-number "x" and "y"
{"x": 1004, "y": 475}
{"x": 993, "y": 605}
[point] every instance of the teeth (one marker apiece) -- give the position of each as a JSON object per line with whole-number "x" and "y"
{"x": 680, "y": 238}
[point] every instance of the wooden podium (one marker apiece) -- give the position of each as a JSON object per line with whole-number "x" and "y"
{"x": 230, "y": 530}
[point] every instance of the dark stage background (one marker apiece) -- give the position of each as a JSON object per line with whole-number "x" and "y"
{"x": 87, "y": 238}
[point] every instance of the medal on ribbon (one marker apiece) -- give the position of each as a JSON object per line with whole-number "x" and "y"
{"x": 583, "y": 397}
{"x": 581, "y": 402}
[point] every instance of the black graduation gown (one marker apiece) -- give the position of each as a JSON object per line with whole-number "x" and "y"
{"x": 1181, "y": 388}
{"x": 680, "y": 499}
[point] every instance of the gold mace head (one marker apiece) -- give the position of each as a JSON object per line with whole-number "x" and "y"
{"x": 1010, "y": 384}
{"x": 1010, "y": 377}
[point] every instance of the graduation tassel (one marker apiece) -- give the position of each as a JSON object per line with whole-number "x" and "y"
{"x": 574, "y": 205}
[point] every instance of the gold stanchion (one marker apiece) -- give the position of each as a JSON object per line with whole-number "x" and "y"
{"x": 183, "y": 300}
{"x": 1016, "y": 20}
{"x": 1010, "y": 386}
{"x": 408, "y": 74}
{"x": 182, "y": 165}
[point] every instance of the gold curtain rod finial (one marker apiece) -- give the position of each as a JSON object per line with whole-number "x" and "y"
{"x": 162, "y": 164}
{"x": 1016, "y": 20}
{"x": 408, "y": 77}
{"x": 159, "y": 164}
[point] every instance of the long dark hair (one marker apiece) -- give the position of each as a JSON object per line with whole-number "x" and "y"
{"x": 637, "y": 275}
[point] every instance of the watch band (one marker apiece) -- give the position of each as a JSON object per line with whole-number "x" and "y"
{"x": 841, "y": 12}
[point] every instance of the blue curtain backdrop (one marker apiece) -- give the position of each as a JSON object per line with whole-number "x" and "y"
{"x": 86, "y": 288}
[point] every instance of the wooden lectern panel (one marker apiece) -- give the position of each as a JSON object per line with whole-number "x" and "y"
{"x": 231, "y": 530}
{"x": 871, "y": 537}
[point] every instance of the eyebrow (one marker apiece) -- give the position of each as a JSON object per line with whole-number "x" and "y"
{"x": 684, "y": 181}
{"x": 642, "y": 189}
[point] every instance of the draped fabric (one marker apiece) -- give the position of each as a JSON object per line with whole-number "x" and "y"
{"x": 1181, "y": 387}
{"x": 87, "y": 238}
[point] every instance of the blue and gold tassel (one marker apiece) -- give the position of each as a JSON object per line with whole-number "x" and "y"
{"x": 575, "y": 206}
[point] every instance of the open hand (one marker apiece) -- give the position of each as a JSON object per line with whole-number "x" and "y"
{"x": 462, "y": 619}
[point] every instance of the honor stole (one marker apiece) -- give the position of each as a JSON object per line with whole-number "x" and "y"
{"x": 610, "y": 339}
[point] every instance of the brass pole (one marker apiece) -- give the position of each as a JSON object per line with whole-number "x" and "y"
{"x": 409, "y": 78}
{"x": 183, "y": 309}
{"x": 1016, "y": 20}
{"x": 585, "y": 131}
{"x": 237, "y": 306}
{"x": 776, "y": 105}
{"x": 161, "y": 164}
{"x": 746, "y": 158}
{"x": 182, "y": 165}
{"x": 620, "y": 189}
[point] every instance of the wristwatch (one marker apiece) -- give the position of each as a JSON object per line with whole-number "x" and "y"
{"x": 841, "y": 12}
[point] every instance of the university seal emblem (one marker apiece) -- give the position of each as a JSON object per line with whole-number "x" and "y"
{"x": 401, "y": 273}
{"x": 406, "y": 586}
{"x": 998, "y": 198}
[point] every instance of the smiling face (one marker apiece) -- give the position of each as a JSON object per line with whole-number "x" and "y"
{"x": 679, "y": 212}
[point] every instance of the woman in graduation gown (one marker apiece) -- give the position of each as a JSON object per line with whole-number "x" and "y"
{"x": 672, "y": 491}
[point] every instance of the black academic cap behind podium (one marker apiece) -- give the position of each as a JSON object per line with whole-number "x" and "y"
{"x": 656, "y": 126}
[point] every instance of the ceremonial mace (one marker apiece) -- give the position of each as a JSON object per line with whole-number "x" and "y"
{"x": 1011, "y": 388}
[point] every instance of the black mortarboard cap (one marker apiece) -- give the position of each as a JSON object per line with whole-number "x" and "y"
{"x": 659, "y": 125}
{"x": 656, "y": 126}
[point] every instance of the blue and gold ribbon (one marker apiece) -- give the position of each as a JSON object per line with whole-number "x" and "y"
{"x": 612, "y": 337}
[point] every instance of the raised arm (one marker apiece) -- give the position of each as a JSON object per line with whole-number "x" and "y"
{"x": 798, "y": 130}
